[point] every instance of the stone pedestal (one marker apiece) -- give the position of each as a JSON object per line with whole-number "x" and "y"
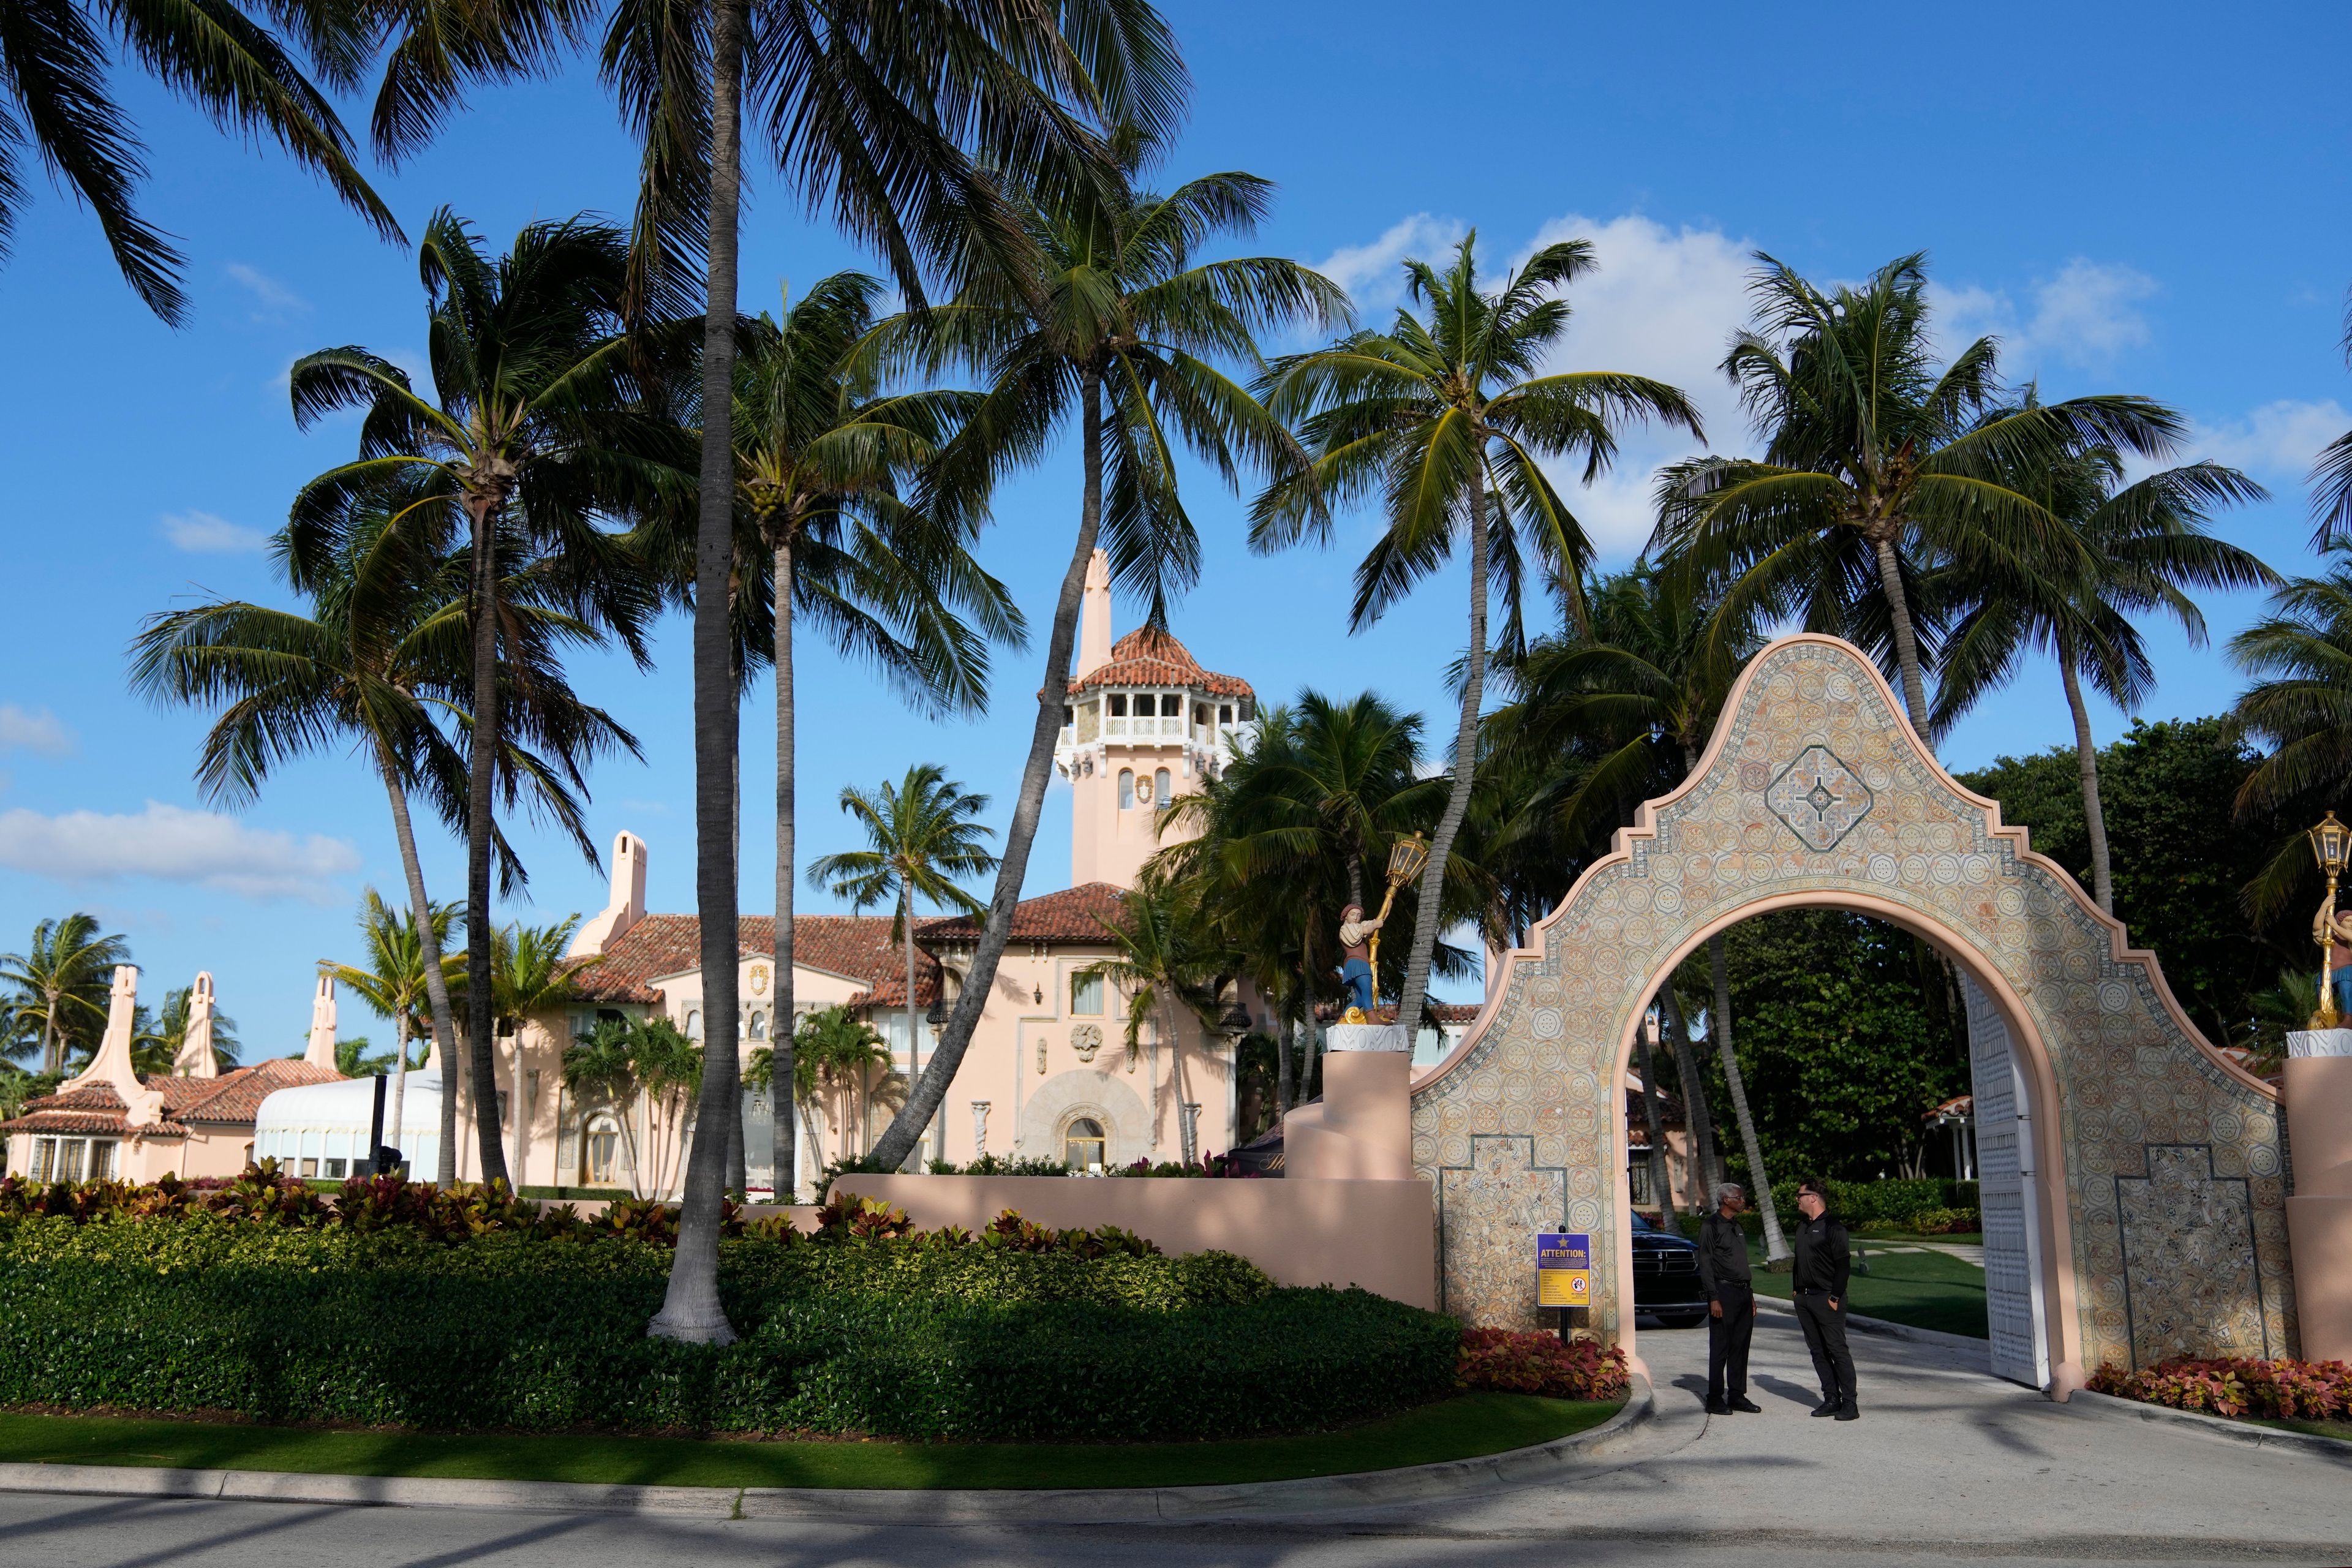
{"x": 2318, "y": 1099}
{"x": 1362, "y": 1130}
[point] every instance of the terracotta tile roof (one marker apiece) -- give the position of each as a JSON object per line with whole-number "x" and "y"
{"x": 858, "y": 946}
{"x": 1073, "y": 915}
{"x": 234, "y": 1097}
{"x": 1148, "y": 656}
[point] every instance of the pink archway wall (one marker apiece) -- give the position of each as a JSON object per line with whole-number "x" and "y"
{"x": 1521, "y": 1126}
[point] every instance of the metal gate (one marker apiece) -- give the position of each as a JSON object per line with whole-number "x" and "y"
{"x": 2006, "y": 1188}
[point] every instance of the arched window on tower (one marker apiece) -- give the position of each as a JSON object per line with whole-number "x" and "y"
{"x": 1127, "y": 789}
{"x": 1164, "y": 788}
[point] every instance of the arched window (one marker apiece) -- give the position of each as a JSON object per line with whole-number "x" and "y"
{"x": 1224, "y": 713}
{"x": 759, "y": 1026}
{"x": 1118, "y": 704}
{"x": 1084, "y": 1147}
{"x": 694, "y": 1022}
{"x": 1172, "y": 706}
{"x": 1164, "y": 788}
{"x": 1127, "y": 789}
{"x": 600, "y": 1151}
{"x": 1200, "y": 712}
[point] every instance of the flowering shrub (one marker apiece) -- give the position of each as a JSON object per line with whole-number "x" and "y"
{"x": 1540, "y": 1363}
{"x": 2244, "y": 1386}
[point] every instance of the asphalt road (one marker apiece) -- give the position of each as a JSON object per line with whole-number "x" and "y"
{"x": 1947, "y": 1463}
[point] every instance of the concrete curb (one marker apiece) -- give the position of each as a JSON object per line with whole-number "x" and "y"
{"x": 1372, "y": 1489}
{"x": 2112, "y": 1407}
{"x": 1881, "y": 1327}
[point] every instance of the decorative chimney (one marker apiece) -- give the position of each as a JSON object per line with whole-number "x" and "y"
{"x": 627, "y": 906}
{"x": 321, "y": 1053}
{"x": 111, "y": 1065}
{"x": 1093, "y": 618}
{"x": 195, "y": 1058}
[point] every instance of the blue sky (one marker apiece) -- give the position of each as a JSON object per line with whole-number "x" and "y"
{"x": 2151, "y": 203}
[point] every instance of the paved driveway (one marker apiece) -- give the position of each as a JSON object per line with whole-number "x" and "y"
{"x": 1947, "y": 1464}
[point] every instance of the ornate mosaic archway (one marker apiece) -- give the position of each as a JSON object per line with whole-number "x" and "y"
{"x": 2152, "y": 1168}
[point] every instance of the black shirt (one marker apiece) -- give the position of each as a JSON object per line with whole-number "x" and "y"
{"x": 1823, "y": 1259}
{"x": 1722, "y": 1255}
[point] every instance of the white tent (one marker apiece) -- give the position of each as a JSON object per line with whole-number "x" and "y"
{"x": 321, "y": 1130}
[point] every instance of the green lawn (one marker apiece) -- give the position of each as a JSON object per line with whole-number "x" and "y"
{"x": 1458, "y": 1429}
{"x": 2340, "y": 1430}
{"x": 1925, "y": 1289}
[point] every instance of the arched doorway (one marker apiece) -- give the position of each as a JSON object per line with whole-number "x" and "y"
{"x": 2134, "y": 1177}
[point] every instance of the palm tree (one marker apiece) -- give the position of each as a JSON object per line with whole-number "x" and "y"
{"x": 356, "y": 1057}
{"x": 2134, "y": 552}
{"x": 1167, "y": 962}
{"x": 2299, "y": 704}
{"x": 55, "y": 56}
{"x": 528, "y": 976}
{"x": 529, "y": 435}
{"x": 395, "y": 981}
{"x": 823, "y": 465}
{"x": 1103, "y": 315}
{"x": 62, "y": 980}
{"x": 869, "y": 106}
{"x": 923, "y": 840}
{"x": 601, "y": 1063}
{"x": 385, "y": 654}
{"x": 1876, "y": 466}
{"x": 1445, "y": 420}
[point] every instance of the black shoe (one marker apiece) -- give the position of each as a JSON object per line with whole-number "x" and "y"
{"x": 1825, "y": 1408}
{"x": 1717, "y": 1407}
{"x": 1848, "y": 1413}
{"x": 1741, "y": 1402}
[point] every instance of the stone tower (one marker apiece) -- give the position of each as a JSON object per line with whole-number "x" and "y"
{"x": 1144, "y": 724}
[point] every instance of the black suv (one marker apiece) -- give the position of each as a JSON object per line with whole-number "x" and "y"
{"x": 1665, "y": 1276}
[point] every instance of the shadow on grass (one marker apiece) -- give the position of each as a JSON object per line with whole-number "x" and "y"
{"x": 1464, "y": 1428}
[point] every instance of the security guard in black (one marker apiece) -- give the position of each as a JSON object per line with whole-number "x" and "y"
{"x": 1731, "y": 1304}
{"x": 1824, "y": 1262}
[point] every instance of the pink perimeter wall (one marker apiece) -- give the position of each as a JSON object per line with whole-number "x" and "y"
{"x": 1381, "y": 1235}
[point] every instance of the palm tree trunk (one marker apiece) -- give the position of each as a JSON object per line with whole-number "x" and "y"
{"x": 782, "y": 1063}
{"x": 947, "y": 1052}
{"x": 913, "y": 1018}
{"x": 1707, "y": 1165}
{"x": 1430, "y": 914}
{"x": 481, "y": 1044}
{"x": 399, "y": 1091}
{"x": 1356, "y": 890}
{"x": 815, "y": 1141}
{"x": 1776, "y": 1245}
{"x": 691, "y": 1310}
{"x": 2087, "y": 754}
{"x": 1282, "y": 1080}
{"x": 1662, "y": 1189}
{"x": 1906, "y": 646}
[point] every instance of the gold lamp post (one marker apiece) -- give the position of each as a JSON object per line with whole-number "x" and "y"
{"x": 1407, "y": 856}
{"x": 2331, "y": 846}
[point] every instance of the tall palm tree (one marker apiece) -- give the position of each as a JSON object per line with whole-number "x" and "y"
{"x": 825, "y": 467}
{"x": 55, "y": 57}
{"x": 394, "y": 979}
{"x": 1876, "y": 464}
{"x": 382, "y": 665}
{"x": 922, "y": 839}
{"x": 1104, "y": 317}
{"x": 2299, "y": 704}
{"x": 2134, "y": 550}
{"x": 1446, "y": 421}
{"x": 1168, "y": 962}
{"x": 870, "y": 108}
{"x": 531, "y": 436}
{"x": 62, "y": 979}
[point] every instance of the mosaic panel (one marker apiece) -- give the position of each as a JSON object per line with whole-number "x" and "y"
{"x": 1887, "y": 822}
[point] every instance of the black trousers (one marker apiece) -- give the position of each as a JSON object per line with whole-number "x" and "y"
{"x": 1825, "y": 1337}
{"x": 1727, "y": 1339}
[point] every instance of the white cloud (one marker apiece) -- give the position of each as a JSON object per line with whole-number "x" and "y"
{"x": 2087, "y": 317}
{"x": 205, "y": 534}
{"x": 176, "y": 845}
{"x": 275, "y": 299}
{"x": 2279, "y": 438}
{"x": 38, "y": 732}
{"x": 1373, "y": 275}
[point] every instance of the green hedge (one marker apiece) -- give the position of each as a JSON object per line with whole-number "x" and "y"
{"x": 1896, "y": 1199}
{"x": 905, "y": 1338}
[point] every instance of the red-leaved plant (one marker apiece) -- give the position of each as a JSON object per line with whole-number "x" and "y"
{"x": 1539, "y": 1363}
{"x": 2239, "y": 1386}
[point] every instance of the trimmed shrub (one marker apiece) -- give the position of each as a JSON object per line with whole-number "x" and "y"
{"x": 1946, "y": 1222}
{"x": 1894, "y": 1199}
{"x": 2282, "y": 1389}
{"x": 1540, "y": 1363}
{"x": 1020, "y": 1333}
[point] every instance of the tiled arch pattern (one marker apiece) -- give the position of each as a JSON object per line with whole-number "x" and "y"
{"x": 1525, "y": 1132}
